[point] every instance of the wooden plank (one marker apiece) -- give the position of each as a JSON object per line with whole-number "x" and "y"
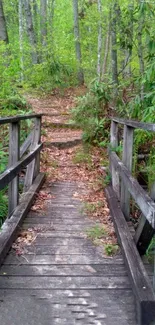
{"x": 141, "y": 286}
{"x": 144, "y": 232}
{"x": 13, "y": 171}
{"x": 60, "y": 259}
{"x": 127, "y": 160}
{"x": 68, "y": 270}
{"x": 145, "y": 203}
{"x": 17, "y": 118}
{"x": 14, "y": 139}
{"x": 114, "y": 144}
{"x": 45, "y": 282}
{"x": 25, "y": 145}
{"x": 135, "y": 124}
{"x": 34, "y": 166}
{"x": 11, "y": 226}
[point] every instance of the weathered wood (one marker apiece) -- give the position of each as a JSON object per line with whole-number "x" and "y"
{"x": 114, "y": 144}
{"x": 34, "y": 166}
{"x": 145, "y": 203}
{"x": 14, "y": 139}
{"x": 141, "y": 285}
{"x": 11, "y": 226}
{"x": 13, "y": 171}
{"x": 17, "y": 118}
{"x": 71, "y": 276}
{"x": 24, "y": 147}
{"x": 46, "y": 282}
{"x": 145, "y": 232}
{"x": 61, "y": 259}
{"x": 69, "y": 270}
{"x": 135, "y": 124}
{"x": 127, "y": 160}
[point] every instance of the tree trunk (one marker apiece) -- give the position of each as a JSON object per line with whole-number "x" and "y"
{"x": 128, "y": 50}
{"x": 106, "y": 53}
{"x": 50, "y": 9}
{"x": 114, "y": 47}
{"x": 3, "y": 28}
{"x": 140, "y": 51}
{"x": 30, "y": 30}
{"x": 99, "y": 40}
{"x": 80, "y": 75}
{"x": 20, "y": 18}
{"x": 35, "y": 18}
{"x": 43, "y": 22}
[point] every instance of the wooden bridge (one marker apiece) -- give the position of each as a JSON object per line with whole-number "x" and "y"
{"x": 63, "y": 278}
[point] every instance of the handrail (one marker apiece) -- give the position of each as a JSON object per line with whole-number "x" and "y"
{"x": 18, "y": 157}
{"x": 135, "y": 124}
{"x": 17, "y": 118}
{"x": 11, "y": 172}
{"x": 121, "y": 170}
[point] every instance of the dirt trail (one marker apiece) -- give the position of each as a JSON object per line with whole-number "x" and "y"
{"x": 72, "y": 162}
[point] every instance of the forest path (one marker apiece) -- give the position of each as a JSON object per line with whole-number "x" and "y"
{"x": 54, "y": 274}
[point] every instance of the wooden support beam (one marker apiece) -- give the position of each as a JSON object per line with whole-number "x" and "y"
{"x": 13, "y": 171}
{"x": 24, "y": 147}
{"x": 17, "y": 118}
{"x": 11, "y": 226}
{"x": 141, "y": 285}
{"x": 135, "y": 124}
{"x": 145, "y": 232}
{"x": 34, "y": 167}
{"x": 127, "y": 160}
{"x": 114, "y": 144}
{"x": 145, "y": 203}
{"x": 14, "y": 138}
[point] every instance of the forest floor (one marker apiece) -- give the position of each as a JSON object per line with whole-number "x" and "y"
{"x": 66, "y": 158}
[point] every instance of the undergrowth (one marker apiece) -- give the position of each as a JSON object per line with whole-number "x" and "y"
{"x": 90, "y": 113}
{"x": 3, "y": 206}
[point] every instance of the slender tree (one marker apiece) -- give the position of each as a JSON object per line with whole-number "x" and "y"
{"x": 128, "y": 44}
{"x": 43, "y": 22}
{"x": 3, "y": 28}
{"x": 114, "y": 44}
{"x": 140, "y": 47}
{"x": 106, "y": 50}
{"x": 35, "y": 18}
{"x": 99, "y": 3}
{"x": 20, "y": 18}
{"x": 80, "y": 75}
{"x": 30, "y": 30}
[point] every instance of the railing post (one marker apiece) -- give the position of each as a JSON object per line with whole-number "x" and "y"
{"x": 114, "y": 144}
{"x": 34, "y": 167}
{"x": 14, "y": 143}
{"x": 127, "y": 161}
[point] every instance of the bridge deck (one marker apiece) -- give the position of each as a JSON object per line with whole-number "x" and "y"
{"x": 62, "y": 278}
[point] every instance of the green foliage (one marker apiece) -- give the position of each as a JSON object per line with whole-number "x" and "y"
{"x": 82, "y": 157}
{"x": 151, "y": 251}
{"x": 48, "y": 75}
{"x": 117, "y": 149}
{"x": 3, "y": 206}
{"x": 96, "y": 232}
{"x": 13, "y": 103}
{"x": 89, "y": 207}
{"x": 111, "y": 249}
{"x": 107, "y": 180}
{"x": 90, "y": 113}
{"x": 3, "y": 158}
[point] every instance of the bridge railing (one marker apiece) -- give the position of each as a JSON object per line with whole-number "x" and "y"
{"x": 19, "y": 158}
{"x": 126, "y": 186}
